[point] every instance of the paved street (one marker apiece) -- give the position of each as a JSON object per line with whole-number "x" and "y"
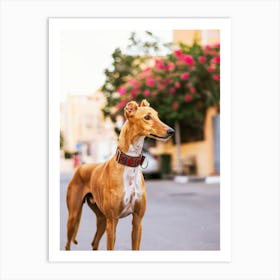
{"x": 178, "y": 217}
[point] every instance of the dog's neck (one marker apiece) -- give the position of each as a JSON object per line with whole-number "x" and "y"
{"x": 130, "y": 142}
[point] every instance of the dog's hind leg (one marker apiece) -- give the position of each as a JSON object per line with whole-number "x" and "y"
{"x": 100, "y": 224}
{"x": 101, "y": 227}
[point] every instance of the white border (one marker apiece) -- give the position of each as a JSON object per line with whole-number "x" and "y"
{"x": 56, "y": 26}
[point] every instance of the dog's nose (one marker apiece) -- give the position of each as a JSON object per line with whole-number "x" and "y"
{"x": 170, "y": 131}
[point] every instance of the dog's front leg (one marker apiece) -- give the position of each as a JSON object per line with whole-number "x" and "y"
{"x": 111, "y": 226}
{"x": 136, "y": 231}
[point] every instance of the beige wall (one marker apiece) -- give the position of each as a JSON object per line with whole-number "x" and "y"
{"x": 203, "y": 36}
{"x": 201, "y": 151}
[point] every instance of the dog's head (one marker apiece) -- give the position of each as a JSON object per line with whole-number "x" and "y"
{"x": 146, "y": 120}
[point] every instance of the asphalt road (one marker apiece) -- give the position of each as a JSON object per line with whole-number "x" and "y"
{"x": 178, "y": 217}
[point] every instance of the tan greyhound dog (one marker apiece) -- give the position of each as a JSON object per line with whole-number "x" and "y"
{"x": 116, "y": 188}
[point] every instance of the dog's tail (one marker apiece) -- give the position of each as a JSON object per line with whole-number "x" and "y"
{"x": 75, "y": 198}
{"x": 90, "y": 200}
{"x": 74, "y": 238}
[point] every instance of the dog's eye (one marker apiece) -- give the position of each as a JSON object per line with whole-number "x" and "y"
{"x": 147, "y": 117}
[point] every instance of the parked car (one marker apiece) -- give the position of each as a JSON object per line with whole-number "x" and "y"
{"x": 151, "y": 165}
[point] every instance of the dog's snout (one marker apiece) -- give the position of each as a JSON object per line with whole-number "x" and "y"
{"x": 170, "y": 131}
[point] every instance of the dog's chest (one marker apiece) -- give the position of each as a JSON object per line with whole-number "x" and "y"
{"x": 132, "y": 190}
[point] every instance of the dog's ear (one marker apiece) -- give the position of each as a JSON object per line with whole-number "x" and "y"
{"x": 144, "y": 103}
{"x": 130, "y": 109}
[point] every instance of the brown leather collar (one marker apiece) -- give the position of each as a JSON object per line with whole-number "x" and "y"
{"x": 127, "y": 160}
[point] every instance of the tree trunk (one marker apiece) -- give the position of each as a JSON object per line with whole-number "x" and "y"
{"x": 178, "y": 148}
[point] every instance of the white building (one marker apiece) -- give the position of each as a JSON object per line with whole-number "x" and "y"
{"x": 84, "y": 127}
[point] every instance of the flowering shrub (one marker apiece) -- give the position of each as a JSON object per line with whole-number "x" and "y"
{"x": 181, "y": 86}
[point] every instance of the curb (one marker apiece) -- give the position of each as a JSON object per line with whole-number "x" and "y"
{"x": 202, "y": 179}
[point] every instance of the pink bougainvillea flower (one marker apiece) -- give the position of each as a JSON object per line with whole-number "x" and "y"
{"x": 133, "y": 93}
{"x": 146, "y": 93}
{"x": 121, "y": 104}
{"x": 216, "y": 59}
{"x": 189, "y": 59}
{"x": 210, "y": 50}
{"x": 172, "y": 90}
{"x": 132, "y": 81}
{"x": 192, "y": 90}
{"x": 216, "y": 77}
{"x": 178, "y": 53}
{"x": 170, "y": 66}
{"x": 175, "y": 105}
{"x": 217, "y": 45}
{"x": 188, "y": 98}
{"x": 185, "y": 76}
{"x": 121, "y": 91}
{"x": 137, "y": 84}
{"x": 210, "y": 69}
{"x": 147, "y": 69}
{"x": 177, "y": 85}
{"x": 150, "y": 82}
{"x": 202, "y": 59}
{"x": 159, "y": 64}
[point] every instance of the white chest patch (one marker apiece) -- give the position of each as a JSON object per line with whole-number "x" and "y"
{"x": 132, "y": 188}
